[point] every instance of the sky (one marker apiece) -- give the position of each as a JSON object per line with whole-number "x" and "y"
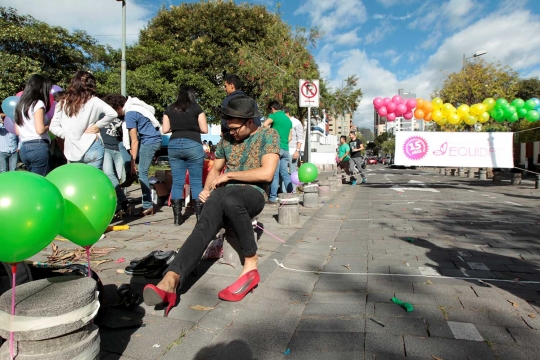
{"x": 389, "y": 44}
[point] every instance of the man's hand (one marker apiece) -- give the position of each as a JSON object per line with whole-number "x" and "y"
{"x": 133, "y": 167}
{"x": 92, "y": 129}
{"x": 204, "y": 195}
{"x": 296, "y": 155}
{"x": 221, "y": 179}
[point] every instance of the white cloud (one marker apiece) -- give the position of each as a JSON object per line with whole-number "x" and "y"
{"x": 391, "y": 17}
{"x": 450, "y": 15}
{"x": 349, "y": 38}
{"x": 379, "y": 33}
{"x": 388, "y": 3}
{"x": 97, "y": 17}
{"x": 334, "y": 15}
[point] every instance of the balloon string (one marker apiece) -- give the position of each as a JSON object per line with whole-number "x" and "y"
{"x": 269, "y": 233}
{"x": 13, "y": 286}
{"x": 88, "y": 259}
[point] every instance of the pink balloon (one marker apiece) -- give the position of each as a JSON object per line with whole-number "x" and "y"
{"x": 397, "y": 112}
{"x": 408, "y": 115}
{"x": 391, "y": 107}
{"x": 391, "y": 117}
{"x": 378, "y": 102}
{"x": 9, "y": 125}
{"x": 19, "y": 94}
{"x": 382, "y": 111}
{"x": 386, "y": 101}
{"x": 401, "y": 108}
{"x": 396, "y": 99}
{"x": 411, "y": 104}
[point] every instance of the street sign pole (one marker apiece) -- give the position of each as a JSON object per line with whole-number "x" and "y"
{"x": 308, "y": 136}
{"x": 309, "y": 97}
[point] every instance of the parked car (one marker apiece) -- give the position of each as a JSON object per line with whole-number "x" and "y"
{"x": 372, "y": 160}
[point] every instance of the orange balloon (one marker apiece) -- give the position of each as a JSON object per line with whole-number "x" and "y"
{"x": 428, "y": 107}
{"x": 427, "y": 116}
{"x": 420, "y": 104}
{"x": 418, "y": 113}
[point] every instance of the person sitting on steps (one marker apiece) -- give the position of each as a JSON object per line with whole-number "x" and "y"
{"x": 251, "y": 156}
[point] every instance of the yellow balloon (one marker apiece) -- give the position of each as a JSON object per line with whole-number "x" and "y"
{"x": 453, "y": 118}
{"x": 436, "y": 115}
{"x": 442, "y": 122}
{"x": 481, "y": 108}
{"x": 437, "y": 103}
{"x": 490, "y": 103}
{"x": 483, "y": 117}
{"x": 470, "y": 120}
{"x": 473, "y": 109}
{"x": 446, "y": 109}
{"x": 463, "y": 110}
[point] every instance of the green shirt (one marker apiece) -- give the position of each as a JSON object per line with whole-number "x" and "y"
{"x": 283, "y": 125}
{"x": 247, "y": 154}
{"x": 343, "y": 149}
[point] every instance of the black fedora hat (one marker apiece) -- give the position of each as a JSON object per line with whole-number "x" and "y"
{"x": 241, "y": 107}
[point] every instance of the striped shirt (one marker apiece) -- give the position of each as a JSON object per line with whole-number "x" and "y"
{"x": 8, "y": 141}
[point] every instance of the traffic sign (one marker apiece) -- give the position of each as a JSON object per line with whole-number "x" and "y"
{"x": 309, "y": 93}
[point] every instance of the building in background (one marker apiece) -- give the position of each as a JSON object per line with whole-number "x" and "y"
{"x": 380, "y": 125}
{"x": 340, "y": 125}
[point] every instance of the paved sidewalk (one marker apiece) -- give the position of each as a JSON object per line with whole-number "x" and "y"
{"x": 405, "y": 228}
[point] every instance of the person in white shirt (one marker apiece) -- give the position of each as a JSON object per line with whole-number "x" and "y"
{"x": 296, "y": 145}
{"x": 32, "y": 124}
{"x": 78, "y": 118}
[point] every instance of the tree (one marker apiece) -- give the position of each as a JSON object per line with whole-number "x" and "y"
{"x": 528, "y": 88}
{"x": 345, "y": 100}
{"x": 389, "y": 146}
{"x": 197, "y": 44}
{"x": 29, "y": 46}
{"x": 367, "y": 134}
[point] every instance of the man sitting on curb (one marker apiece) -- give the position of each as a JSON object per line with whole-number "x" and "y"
{"x": 251, "y": 156}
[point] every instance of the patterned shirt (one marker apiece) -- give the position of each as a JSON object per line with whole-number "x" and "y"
{"x": 247, "y": 154}
{"x": 8, "y": 141}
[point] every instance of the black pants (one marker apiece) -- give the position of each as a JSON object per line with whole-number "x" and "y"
{"x": 234, "y": 204}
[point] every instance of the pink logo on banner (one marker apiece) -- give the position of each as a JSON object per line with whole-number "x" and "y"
{"x": 415, "y": 147}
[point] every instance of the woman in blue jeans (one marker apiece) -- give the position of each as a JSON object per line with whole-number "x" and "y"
{"x": 32, "y": 124}
{"x": 186, "y": 121}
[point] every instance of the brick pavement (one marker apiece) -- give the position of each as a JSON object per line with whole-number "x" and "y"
{"x": 468, "y": 229}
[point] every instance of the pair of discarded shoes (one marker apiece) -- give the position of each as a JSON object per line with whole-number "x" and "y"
{"x": 152, "y": 265}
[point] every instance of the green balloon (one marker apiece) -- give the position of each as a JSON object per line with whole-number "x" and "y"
{"x": 530, "y": 104}
{"x": 307, "y": 173}
{"x": 90, "y": 202}
{"x": 497, "y": 113}
{"x": 509, "y": 111}
{"x": 501, "y": 103}
{"x": 513, "y": 118}
{"x": 31, "y": 211}
{"x": 521, "y": 113}
{"x": 518, "y": 103}
{"x": 532, "y": 115}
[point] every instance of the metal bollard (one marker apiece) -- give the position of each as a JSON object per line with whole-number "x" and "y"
{"x": 482, "y": 174}
{"x": 537, "y": 182}
{"x": 461, "y": 172}
{"x": 470, "y": 174}
{"x": 288, "y": 212}
{"x": 311, "y": 196}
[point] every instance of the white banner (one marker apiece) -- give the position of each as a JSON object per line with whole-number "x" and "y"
{"x": 458, "y": 149}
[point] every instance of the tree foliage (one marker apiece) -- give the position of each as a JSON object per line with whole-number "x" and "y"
{"x": 29, "y": 46}
{"x": 477, "y": 81}
{"x": 528, "y": 88}
{"x": 197, "y": 44}
{"x": 345, "y": 100}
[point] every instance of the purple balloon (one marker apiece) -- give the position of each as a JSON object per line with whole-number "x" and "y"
{"x": 382, "y": 111}
{"x": 391, "y": 107}
{"x": 55, "y": 89}
{"x": 386, "y": 101}
{"x": 50, "y": 113}
{"x": 408, "y": 115}
{"x": 9, "y": 125}
{"x": 294, "y": 178}
{"x": 396, "y": 99}
{"x": 391, "y": 117}
{"x": 378, "y": 102}
{"x": 401, "y": 108}
{"x": 411, "y": 104}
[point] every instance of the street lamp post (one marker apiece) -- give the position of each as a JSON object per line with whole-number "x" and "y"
{"x": 123, "y": 66}
{"x": 476, "y": 54}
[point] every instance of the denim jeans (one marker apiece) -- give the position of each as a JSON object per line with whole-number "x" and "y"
{"x": 237, "y": 204}
{"x": 127, "y": 159}
{"x": 94, "y": 155}
{"x": 281, "y": 170}
{"x": 35, "y": 156}
{"x": 113, "y": 167}
{"x": 8, "y": 162}
{"x": 146, "y": 155}
{"x": 356, "y": 163}
{"x": 186, "y": 154}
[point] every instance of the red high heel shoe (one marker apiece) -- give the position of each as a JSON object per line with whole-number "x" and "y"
{"x": 241, "y": 287}
{"x": 153, "y": 296}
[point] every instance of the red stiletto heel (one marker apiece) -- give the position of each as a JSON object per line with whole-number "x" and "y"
{"x": 152, "y": 296}
{"x": 237, "y": 291}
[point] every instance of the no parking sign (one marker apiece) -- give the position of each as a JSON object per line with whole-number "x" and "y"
{"x": 309, "y": 93}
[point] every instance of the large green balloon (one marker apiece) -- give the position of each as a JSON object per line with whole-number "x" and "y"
{"x": 532, "y": 115}
{"x": 90, "y": 202}
{"x": 497, "y": 113}
{"x": 521, "y": 113}
{"x": 31, "y": 212}
{"x": 509, "y": 111}
{"x": 307, "y": 173}
{"x": 501, "y": 103}
{"x": 518, "y": 103}
{"x": 530, "y": 104}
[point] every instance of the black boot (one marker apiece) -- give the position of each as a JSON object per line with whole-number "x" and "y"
{"x": 198, "y": 209}
{"x": 177, "y": 211}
